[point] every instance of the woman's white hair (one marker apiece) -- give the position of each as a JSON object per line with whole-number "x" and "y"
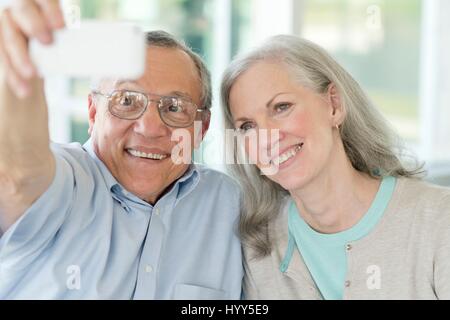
{"x": 369, "y": 142}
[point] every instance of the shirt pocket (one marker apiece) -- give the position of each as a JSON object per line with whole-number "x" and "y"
{"x": 194, "y": 292}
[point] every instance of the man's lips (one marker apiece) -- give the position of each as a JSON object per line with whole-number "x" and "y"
{"x": 147, "y": 153}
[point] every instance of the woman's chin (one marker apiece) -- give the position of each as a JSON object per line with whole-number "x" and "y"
{"x": 294, "y": 176}
{"x": 292, "y": 181}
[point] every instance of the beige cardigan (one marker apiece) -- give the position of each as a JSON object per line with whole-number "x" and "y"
{"x": 406, "y": 256}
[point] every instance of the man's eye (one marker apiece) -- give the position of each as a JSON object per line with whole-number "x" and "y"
{"x": 126, "y": 101}
{"x": 175, "y": 108}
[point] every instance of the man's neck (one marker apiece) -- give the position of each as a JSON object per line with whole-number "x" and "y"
{"x": 153, "y": 199}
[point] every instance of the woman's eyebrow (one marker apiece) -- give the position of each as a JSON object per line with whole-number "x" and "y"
{"x": 274, "y": 97}
{"x": 241, "y": 119}
{"x": 267, "y": 106}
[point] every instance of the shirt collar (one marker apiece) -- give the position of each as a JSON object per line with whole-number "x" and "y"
{"x": 109, "y": 178}
{"x": 187, "y": 182}
{"x": 183, "y": 186}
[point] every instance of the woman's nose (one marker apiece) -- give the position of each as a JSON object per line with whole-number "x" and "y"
{"x": 269, "y": 136}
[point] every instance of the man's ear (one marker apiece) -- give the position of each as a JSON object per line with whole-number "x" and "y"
{"x": 206, "y": 119}
{"x": 92, "y": 110}
{"x": 199, "y": 136}
{"x": 337, "y": 109}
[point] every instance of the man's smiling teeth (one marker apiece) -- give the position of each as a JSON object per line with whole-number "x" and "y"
{"x": 152, "y": 156}
{"x": 287, "y": 155}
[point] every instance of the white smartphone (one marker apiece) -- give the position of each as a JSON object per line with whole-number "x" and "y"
{"x": 93, "y": 49}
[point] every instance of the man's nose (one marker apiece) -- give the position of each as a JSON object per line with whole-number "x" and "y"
{"x": 150, "y": 123}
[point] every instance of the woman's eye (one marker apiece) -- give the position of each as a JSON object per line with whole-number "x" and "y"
{"x": 280, "y": 107}
{"x": 246, "y": 126}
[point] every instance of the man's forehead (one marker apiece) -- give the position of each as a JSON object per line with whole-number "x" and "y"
{"x": 169, "y": 71}
{"x": 109, "y": 85}
{"x": 105, "y": 84}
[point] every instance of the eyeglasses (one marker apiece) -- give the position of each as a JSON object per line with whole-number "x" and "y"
{"x": 176, "y": 112}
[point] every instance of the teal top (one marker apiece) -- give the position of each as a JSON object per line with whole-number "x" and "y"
{"x": 325, "y": 254}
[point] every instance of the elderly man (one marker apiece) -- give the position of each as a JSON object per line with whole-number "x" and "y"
{"x": 116, "y": 218}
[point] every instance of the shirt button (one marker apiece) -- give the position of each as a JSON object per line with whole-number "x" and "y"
{"x": 348, "y": 247}
{"x": 347, "y": 283}
{"x": 157, "y": 211}
{"x": 148, "y": 268}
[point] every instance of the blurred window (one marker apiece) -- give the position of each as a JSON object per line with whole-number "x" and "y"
{"x": 397, "y": 50}
{"x": 378, "y": 42}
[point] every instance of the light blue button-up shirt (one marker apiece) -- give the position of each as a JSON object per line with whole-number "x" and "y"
{"x": 86, "y": 237}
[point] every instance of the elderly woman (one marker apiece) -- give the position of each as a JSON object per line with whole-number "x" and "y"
{"x": 341, "y": 217}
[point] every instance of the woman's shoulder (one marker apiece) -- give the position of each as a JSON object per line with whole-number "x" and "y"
{"x": 279, "y": 224}
{"x": 422, "y": 192}
{"x": 277, "y": 230}
{"x": 428, "y": 203}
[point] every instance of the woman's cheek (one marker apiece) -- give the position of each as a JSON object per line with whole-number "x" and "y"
{"x": 251, "y": 151}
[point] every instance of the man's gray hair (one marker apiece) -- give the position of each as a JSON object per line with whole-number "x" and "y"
{"x": 166, "y": 40}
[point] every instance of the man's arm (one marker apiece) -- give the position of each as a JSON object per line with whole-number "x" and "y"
{"x": 27, "y": 165}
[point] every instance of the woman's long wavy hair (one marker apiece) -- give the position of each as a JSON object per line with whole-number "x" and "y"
{"x": 369, "y": 142}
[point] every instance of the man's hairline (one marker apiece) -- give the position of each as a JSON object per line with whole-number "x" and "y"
{"x": 97, "y": 86}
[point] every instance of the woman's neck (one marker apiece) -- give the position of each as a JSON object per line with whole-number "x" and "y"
{"x": 336, "y": 199}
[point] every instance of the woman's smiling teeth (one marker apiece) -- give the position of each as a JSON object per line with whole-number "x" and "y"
{"x": 286, "y": 155}
{"x": 153, "y": 156}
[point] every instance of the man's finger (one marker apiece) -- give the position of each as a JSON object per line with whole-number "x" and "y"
{"x": 17, "y": 48}
{"x": 19, "y": 86}
{"x": 31, "y": 20}
{"x": 53, "y": 13}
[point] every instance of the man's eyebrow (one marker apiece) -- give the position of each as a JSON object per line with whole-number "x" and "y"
{"x": 176, "y": 93}
{"x": 119, "y": 83}
{"x": 180, "y": 94}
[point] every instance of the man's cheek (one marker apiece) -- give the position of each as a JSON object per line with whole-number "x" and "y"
{"x": 181, "y": 153}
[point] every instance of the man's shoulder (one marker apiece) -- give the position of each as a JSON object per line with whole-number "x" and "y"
{"x": 74, "y": 154}
{"x": 76, "y": 158}
{"x": 74, "y": 149}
